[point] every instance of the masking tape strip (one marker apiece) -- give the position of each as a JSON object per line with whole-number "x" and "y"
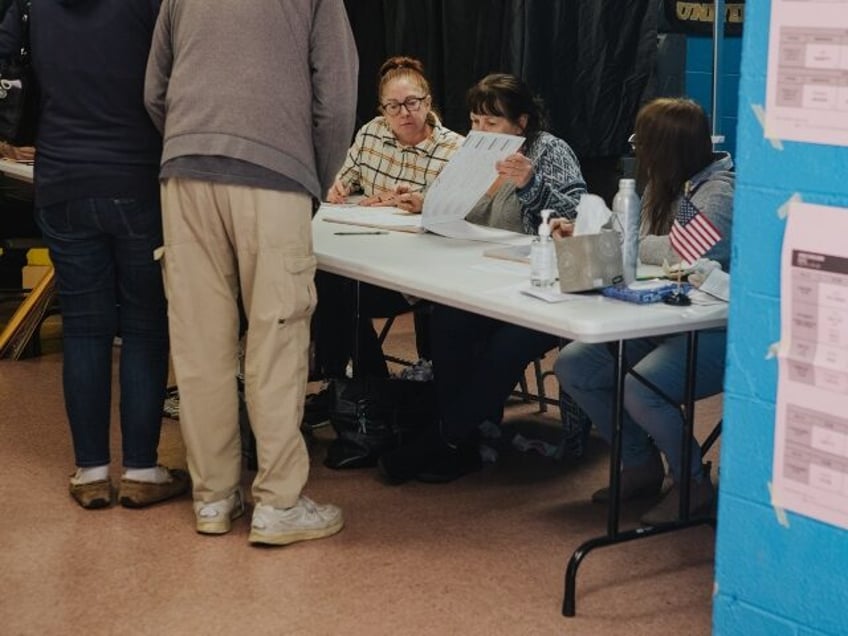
{"x": 760, "y": 114}
{"x": 773, "y": 350}
{"x": 779, "y": 512}
{"x": 783, "y": 210}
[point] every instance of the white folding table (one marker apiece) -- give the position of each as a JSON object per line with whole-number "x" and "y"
{"x": 456, "y": 273}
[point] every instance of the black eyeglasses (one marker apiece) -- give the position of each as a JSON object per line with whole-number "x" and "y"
{"x": 632, "y": 141}
{"x": 411, "y": 104}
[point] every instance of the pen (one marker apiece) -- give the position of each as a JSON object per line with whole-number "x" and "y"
{"x": 358, "y": 233}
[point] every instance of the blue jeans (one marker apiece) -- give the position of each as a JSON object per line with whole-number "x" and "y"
{"x": 585, "y": 371}
{"x": 109, "y": 284}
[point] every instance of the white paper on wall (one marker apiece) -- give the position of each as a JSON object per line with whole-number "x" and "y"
{"x": 810, "y": 472}
{"x": 807, "y": 82}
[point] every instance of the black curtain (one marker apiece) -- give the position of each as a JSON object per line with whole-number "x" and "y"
{"x": 589, "y": 60}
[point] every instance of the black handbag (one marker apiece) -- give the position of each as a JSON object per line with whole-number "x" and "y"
{"x": 373, "y": 415}
{"x": 18, "y": 92}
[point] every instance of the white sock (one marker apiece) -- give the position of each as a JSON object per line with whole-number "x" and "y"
{"x": 88, "y": 474}
{"x": 154, "y": 475}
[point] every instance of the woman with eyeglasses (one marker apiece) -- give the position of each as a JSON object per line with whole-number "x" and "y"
{"x": 398, "y": 154}
{"x": 393, "y": 159}
{"x": 478, "y": 360}
{"x": 676, "y": 164}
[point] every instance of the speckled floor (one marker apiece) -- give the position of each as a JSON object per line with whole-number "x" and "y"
{"x": 484, "y": 555}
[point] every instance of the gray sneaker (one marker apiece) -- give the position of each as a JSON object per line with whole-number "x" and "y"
{"x": 303, "y": 521}
{"x": 215, "y": 517}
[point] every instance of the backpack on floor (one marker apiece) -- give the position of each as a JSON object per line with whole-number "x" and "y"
{"x": 373, "y": 415}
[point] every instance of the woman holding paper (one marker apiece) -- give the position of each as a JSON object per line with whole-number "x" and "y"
{"x": 478, "y": 360}
{"x": 544, "y": 174}
{"x": 392, "y": 161}
{"x": 681, "y": 173}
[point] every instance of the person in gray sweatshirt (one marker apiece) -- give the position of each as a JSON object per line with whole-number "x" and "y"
{"x": 682, "y": 176}
{"x": 257, "y": 106}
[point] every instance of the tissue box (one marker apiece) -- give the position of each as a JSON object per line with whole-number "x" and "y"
{"x": 589, "y": 261}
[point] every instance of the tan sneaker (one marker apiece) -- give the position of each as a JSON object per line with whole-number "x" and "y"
{"x": 304, "y": 521}
{"x": 137, "y": 494}
{"x": 216, "y": 517}
{"x": 92, "y": 495}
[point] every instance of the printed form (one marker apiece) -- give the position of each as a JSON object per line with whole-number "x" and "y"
{"x": 461, "y": 183}
{"x": 807, "y": 81}
{"x": 810, "y": 472}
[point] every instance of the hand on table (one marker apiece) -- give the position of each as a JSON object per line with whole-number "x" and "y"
{"x": 337, "y": 193}
{"x": 17, "y": 153}
{"x": 402, "y": 197}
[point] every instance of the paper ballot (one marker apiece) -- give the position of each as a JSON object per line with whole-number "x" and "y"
{"x": 462, "y": 182}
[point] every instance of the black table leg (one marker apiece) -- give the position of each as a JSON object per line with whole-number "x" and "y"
{"x": 613, "y": 536}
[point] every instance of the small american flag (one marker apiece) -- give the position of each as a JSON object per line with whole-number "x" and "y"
{"x": 692, "y": 234}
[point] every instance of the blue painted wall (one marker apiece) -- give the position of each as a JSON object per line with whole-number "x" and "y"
{"x": 699, "y": 81}
{"x": 771, "y": 580}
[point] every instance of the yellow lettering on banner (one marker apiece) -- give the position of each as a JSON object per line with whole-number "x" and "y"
{"x": 704, "y": 12}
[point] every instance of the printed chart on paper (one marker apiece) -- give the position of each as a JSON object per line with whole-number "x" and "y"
{"x": 807, "y": 82}
{"x": 810, "y": 473}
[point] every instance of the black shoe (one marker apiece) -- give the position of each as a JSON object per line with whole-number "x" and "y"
{"x": 316, "y": 408}
{"x": 451, "y": 463}
{"x": 403, "y": 463}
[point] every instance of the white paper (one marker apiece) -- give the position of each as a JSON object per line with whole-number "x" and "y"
{"x": 717, "y": 283}
{"x": 461, "y": 183}
{"x": 807, "y": 81}
{"x": 550, "y": 294}
{"x": 517, "y": 253}
{"x": 810, "y": 473}
{"x": 377, "y": 216}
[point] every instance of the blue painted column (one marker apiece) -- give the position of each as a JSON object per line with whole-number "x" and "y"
{"x": 776, "y": 573}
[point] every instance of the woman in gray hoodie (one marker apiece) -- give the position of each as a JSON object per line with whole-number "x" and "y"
{"x": 681, "y": 173}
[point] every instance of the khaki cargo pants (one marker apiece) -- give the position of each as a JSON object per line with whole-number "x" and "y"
{"x": 221, "y": 239}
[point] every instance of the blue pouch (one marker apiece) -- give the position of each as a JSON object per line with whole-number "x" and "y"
{"x": 648, "y": 294}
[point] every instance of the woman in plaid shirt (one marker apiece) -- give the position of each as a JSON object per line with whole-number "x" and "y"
{"x": 393, "y": 160}
{"x": 398, "y": 154}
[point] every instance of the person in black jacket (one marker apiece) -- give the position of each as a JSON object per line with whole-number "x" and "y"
{"x": 97, "y": 204}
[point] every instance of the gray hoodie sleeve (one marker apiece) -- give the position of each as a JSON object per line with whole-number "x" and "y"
{"x": 335, "y": 66}
{"x": 159, "y": 64}
{"x": 715, "y": 200}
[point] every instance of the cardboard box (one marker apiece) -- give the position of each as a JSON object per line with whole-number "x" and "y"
{"x": 31, "y": 275}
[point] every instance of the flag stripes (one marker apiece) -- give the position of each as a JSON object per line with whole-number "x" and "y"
{"x": 692, "y": 234}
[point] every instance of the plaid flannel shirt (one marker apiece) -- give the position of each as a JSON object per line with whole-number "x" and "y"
{"x": 377, "y": 161}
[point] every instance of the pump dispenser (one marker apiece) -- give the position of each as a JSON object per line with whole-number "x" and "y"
{"x": 542, "y": 256}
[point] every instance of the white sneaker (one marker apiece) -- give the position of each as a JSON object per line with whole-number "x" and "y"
{"x": 215, "y": 517}
{"x": 303, "y": 521}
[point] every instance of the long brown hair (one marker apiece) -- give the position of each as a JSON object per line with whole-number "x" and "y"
{"x": 673, "y": 144}
{"x": 411, "y": 69}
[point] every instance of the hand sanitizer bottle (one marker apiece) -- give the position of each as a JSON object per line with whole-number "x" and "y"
{"x": 628, "y": 211}
{"x": 542, "y": 257}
